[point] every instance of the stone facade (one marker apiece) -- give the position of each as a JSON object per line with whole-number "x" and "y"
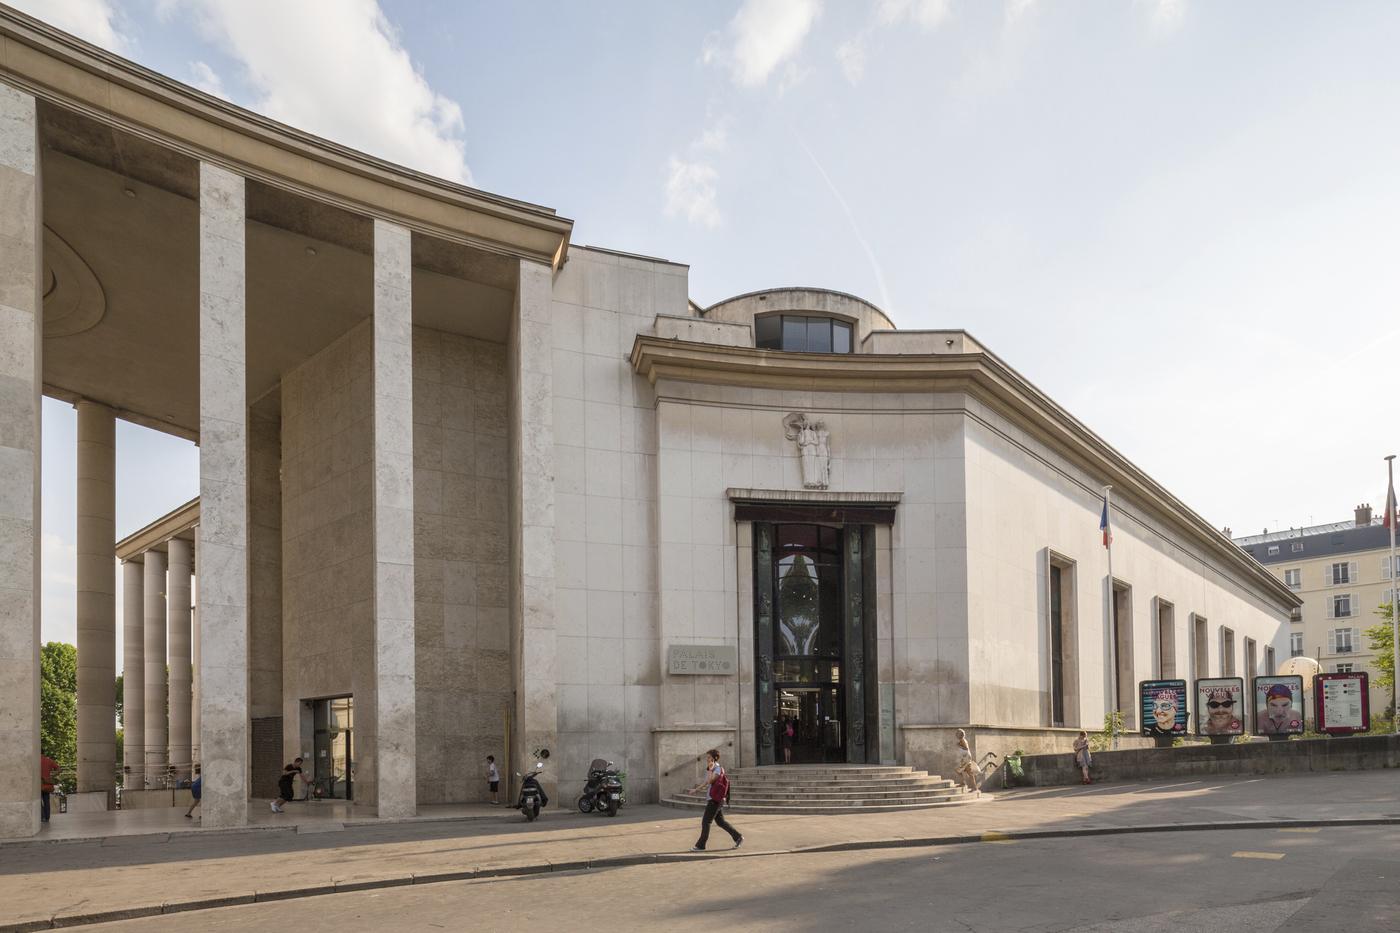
{"x": 482, "y": 481}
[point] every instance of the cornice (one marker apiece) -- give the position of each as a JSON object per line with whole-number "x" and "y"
{"x": 70, "y": 73}
{"x": 172, "y": 524}
{"x": 982, "y": 374}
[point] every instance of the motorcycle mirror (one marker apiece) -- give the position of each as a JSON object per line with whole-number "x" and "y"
{"x": 540, "y": 765}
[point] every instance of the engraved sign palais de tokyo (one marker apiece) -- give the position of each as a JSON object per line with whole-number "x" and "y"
{"x": 704, "y": 659}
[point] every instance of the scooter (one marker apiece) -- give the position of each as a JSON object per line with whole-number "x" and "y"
{"x": 532, "y": 796}
{"x": 603, "y": 790}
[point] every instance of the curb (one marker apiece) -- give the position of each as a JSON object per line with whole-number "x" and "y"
{"x": 338, "y": 886}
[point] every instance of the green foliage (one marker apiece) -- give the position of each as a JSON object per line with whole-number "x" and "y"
{"x": 1112, "y": 729}
{"x": 121, "y": 706}
{"x": 1382, "y": 644}
{"x": 58, "y": 706}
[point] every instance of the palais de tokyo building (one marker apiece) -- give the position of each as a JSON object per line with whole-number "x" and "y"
{"x": 468, "y": 488}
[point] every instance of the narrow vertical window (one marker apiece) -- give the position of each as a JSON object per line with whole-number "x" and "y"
{"x": 1057, "y": 647}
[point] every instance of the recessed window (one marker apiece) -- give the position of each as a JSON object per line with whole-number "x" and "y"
{"x": 1295, "y": 644}
{"x": 801, "y": 333}
{"x": 1293, "y": 579}
{"x": 1344, "y": 668}
{"x": 1273, "y": 549}
{"x": 1297, "y": 546}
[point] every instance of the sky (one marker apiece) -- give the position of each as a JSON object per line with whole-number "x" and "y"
{"x": 1175, "y": 217}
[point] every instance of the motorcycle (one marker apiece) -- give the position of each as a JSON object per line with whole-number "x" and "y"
{"x": 603, "y": 790}
{"x": 532, "y": 795}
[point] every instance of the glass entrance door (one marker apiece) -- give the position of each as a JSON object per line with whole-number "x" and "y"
{"x": 334, "y": 748}
{"x": 810, "y": 724}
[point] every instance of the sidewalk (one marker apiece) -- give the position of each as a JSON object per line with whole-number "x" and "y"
{"x": 70, "y": 882}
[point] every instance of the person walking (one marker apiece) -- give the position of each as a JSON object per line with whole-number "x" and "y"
{"x": 1082, "y": 758}
{"x": 285, "y": 794}
{"x": 196, "y": 789}
{"x": 717, "y": 783}
{"x": 48, "y": 771}
{"x": 493, "y": 779}
{"x": 789, "y": 733}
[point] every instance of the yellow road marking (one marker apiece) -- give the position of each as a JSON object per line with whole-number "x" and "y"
{"x": 1302, "y": 829}
{"x": 996, "y": 837}
{"x": 1274, "y": 856}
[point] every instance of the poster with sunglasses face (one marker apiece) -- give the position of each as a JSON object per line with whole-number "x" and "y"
{"x": 1278, "y": 705}
{"x": 1220, "y": 706}
{"x": 1163, "y": 704}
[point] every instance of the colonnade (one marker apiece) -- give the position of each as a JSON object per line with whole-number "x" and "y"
{"x": 156, "y": 629}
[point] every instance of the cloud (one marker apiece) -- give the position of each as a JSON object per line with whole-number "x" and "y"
{"x": 762, "y": 35}
{"x": 851, "y": 56}
{"x": 927, "y": 15}
{"x": 207, "y": 80}
{"x": 337, "y": 68}
{"x": 93, "y": 20}
{"x": 691, "y": 192}
{"x": 1164, "y": 16}
{"x": 1017, "y": 10}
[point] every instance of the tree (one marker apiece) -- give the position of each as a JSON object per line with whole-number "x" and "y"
{"x": 58, "y": 705}
{"x": 1381, "y": 643}
{"x": 121, "y": 705}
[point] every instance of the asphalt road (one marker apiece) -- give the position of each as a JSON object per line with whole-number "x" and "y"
{"x": 1213, "y": 882}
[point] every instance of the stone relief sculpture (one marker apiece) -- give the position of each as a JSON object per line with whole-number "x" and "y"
{"x": 813, "y": 447}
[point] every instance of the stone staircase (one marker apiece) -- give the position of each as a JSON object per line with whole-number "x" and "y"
{"x": 831, "y": 788}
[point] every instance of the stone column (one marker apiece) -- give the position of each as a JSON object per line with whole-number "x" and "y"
{"x": 156, "y": 685}
{"x": 530, "y": 355}
{"x": 395, "y": 701}
{"x": 177, "y": 613}
{"x": 223, "y": 498}
{"x": 194, "y": 657}
{"x": 21, "y": 343}
{"x": 97, "y": 599}
{"x": 133, "y": 675}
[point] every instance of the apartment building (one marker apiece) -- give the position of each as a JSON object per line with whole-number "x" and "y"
{"x": 1342, "y": 573}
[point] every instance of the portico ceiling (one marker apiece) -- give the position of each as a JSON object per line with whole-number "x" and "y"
{"x": 121, "y": 308}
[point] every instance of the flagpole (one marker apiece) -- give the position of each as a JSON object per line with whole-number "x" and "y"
{"x": 1394, "y": 591}
{"x": 1112, "y": 632}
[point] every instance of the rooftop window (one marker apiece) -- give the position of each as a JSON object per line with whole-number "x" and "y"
{"x": 802, "y": 333}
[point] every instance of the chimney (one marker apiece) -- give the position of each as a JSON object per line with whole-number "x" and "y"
{"x": 1363, "y": 515}
{"x": 1227, "y": 531}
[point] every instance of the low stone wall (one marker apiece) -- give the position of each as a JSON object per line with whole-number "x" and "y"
{"x": 932, "y": 748}
{"x": 147, "y": 799}
{"x": 1359, "y": 753}
{"x": 680, "y": 757}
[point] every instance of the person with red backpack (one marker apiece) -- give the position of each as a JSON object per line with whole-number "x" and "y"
{"x": 718, "y": 783}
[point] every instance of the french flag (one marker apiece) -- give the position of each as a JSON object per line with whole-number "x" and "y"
{"x": 1103, "y": 523}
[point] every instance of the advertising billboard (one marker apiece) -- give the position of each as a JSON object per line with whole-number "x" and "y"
{"x": 1163, "y": 705}
{"x": 1343, "y": 702}
{"x": 1220, "y": 706}
{"x": 1278, "y": 705}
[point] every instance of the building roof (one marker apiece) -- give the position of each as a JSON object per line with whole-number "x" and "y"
{"x": 1318, "y": 541}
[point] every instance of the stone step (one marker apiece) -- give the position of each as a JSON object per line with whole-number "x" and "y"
{"x": 807, "y": 774}
{"x": 843, "y": 787}
{"x": 739, "y": 793}
{"x": 956, "y": 800}
{"x": 817, "y": 787}
{"x": 807, "y": 799}
{"x": 833, "y": 781}
{"x": 834, "y": 769}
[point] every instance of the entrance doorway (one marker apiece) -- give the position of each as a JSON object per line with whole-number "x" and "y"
{"x": 334, "y": 772}
{"x": 815, "y": 682}
{"x": 813, "y": 717}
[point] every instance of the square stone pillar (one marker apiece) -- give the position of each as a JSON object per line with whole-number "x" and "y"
{"x": 177, "y": 614}
{"x": 530, "y": 356}
{"x": 223, "y": 498}
{"x": 133, "y": 675}
{"x": 21, "y": 372}
{"x": 97, "y": 600}
{"x": 395, "y": 702}
{"x": 157, "y": 727}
